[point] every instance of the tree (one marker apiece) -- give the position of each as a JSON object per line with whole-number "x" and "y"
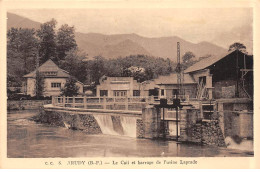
{"x": 47, "y": 38}
{"x": 149, "y": 73}
{"x": 97, "y": 68}
{"x": 74, "y": 65}
{"x": 187, "y": 57}
{"x": 70, "y": 89}
{"x": 22, "y": 43}
{"x": 169, "y": 68}
{"x": 39, "y": 85}
{"x": 237, "y": 46}
{"x": 65, "y": 41}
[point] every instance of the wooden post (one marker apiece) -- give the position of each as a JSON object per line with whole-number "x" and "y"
{"x": 126, "y": 103}
{"x": 114, "y": 103}
{"x": 73, "y": 101}
{"x": 64, "y": 99}
{"x": 104, "y": 102}
{"x": 201, "y": 109}
{"x": 84, "y": 102}
{"x": 53, "y": 100}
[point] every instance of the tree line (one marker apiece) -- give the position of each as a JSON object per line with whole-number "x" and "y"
{"x": 25, "y": 45}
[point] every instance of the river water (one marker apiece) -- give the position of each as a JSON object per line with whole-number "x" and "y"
{"x": 27, "y": 139}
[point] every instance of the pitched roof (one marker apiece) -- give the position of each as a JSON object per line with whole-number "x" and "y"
{"x": 172, "y": 79}
{"x": 49, "y": 66}
{"x": 207, "y": 62}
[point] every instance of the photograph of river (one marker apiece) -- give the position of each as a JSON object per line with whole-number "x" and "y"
{"x": 139, "y": 82}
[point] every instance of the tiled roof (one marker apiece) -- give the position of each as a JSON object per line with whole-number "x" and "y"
{"x": 207, "y": 62}
{"x": 49, "y": 66}
{"x": 172, "y": 79}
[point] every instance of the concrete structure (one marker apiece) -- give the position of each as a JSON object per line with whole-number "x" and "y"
{"x": 54, "y": 80}
{"x": 119, "y": 87}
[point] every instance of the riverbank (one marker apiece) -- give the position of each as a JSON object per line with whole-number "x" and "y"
{"x": 26, "y": 104}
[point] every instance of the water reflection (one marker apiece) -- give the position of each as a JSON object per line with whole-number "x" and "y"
{"x": 32, "y": 140}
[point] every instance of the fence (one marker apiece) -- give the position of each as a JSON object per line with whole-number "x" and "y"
{"x": 113, "y": 103}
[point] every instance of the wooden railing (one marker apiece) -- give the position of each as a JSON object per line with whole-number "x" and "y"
{"x": 113, "y": 103}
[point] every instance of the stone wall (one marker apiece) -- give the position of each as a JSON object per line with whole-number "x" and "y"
{"x": 206, "y": 133}
{"x": 83, "y": 122}
{"x": 151, "y": 122}
{"x": 77, "y": 120}
{"x": 26, "y": 104}
{"x": 196, "y": 130}
{"x": 237, "y": 117}
{"x": 139, "y": 128}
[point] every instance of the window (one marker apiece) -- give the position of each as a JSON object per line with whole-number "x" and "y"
{"x": 55, "y": 85}
{"x": 120, "y": 93}
{"x": 202, "y": 80}
{"x": 136, "y": 93}
{"x": 175, "y": 92}
{"x": 162, "y": 92}
{"x": 103, "y": 93}
{"x": 50, "y": 73}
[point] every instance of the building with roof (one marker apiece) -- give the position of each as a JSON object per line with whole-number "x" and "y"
{"x": 168, "y": 85}
{"x": 226, "y": 76}
{"x": 119, "y": 87}
{"x": 54, "y": 80}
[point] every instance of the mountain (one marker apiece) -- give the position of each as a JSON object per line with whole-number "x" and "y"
{"x": 113, "y": 46}
{"x": 14, "y": 20}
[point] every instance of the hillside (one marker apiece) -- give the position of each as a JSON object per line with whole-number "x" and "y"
{"x": 16, "y": 21}
{"x": 113, "y": 46}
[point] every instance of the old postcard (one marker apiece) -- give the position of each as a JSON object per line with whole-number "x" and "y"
{"x": 127, "y": 84}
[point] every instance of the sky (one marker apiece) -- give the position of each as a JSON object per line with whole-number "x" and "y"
{"x": 222, "y": 26}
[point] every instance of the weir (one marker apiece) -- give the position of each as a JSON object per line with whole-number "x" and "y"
{"x": 106, "y": 124}
{"x": 129, "y": 125}
{"x": 206, "y": 122}
{"x": 110, "y": 127}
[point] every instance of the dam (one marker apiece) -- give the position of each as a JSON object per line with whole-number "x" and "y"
{"x": 204, "y": 123}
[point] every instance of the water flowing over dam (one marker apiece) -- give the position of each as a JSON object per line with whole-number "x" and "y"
{"x": 129, "y": 125}
{"x": 125, "y": 125}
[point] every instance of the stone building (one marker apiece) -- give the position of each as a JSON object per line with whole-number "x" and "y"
{"x": 54, "y": 80}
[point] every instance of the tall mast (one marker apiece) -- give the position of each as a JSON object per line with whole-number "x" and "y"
{"x": 37, "y": 76}
{"x": 179, "y": 69}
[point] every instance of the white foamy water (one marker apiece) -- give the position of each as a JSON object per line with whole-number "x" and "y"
{"x": 106, "y": 124}
{"x": 247, "y": 145}
{"x": 129, "y": 125}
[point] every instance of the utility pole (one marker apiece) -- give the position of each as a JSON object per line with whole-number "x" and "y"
{"x": 179, "y": 69}
{"x": 237, "y": 72}
{"x": 37, "y": 77}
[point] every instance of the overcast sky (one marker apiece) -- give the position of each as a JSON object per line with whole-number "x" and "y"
{"x": 221, "y": 26}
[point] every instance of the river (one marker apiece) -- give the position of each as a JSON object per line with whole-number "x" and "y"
{"x": 27, "y": 139}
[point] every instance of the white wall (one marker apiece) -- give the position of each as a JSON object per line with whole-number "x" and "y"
{"x": 48, "y": 90}
{"x": 113, "y": 83}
